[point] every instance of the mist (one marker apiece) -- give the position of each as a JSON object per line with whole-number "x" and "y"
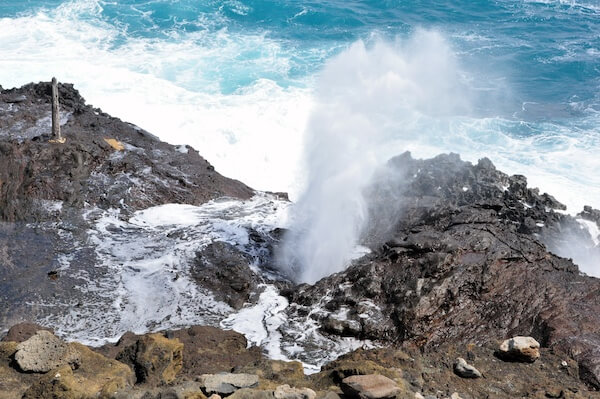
{"x": 370, "y": 100}
{"x": 581, "y": 244}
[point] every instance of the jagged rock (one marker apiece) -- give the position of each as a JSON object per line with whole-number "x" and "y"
{"x": 23, "y": 331}
{"x": 227, "y": 383}
{"x": 154, "y": 358}
{"x": 95, "y": 377}
{"x": 224, "y": 270}
{"x": 209, "y": 350}
{"x": 465, "y": 370}
{"x": 372, "y": 386}
{"x": 44, "y": 352}
{"x": 287, "y": 392}
{"x": 521, "y": 349}
{"x": 462, "y": 266}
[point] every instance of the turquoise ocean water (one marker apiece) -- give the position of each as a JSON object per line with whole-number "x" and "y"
{"x": 237, "y": 79}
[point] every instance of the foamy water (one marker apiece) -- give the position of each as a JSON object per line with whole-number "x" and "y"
{"x": 237, "y": 80}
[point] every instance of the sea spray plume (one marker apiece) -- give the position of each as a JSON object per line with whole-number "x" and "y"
{"x": 369, "y": 101}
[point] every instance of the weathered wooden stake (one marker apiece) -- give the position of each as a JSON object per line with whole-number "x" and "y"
{"x": 55, "y": 113}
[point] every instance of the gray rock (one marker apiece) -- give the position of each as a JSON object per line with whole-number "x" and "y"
{"x": 247, "y": 393}
{"x": 227, "y": 383}
{"x": 287, "y": 392}
{"x": 371, "y": 386}
{"x": 520, "y": 349}
{"x": 465, "y": 370}
{"x": 44, "y": 352}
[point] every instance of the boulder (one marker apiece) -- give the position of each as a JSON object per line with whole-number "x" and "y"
{"x": 44, "y": 352}
{"x": 465, "y": 370}
{"x": 227, "y": 383}
{"x": 372, "y": 386}
{"x": 247, "y": 393}
{"x": 155, "y": 359}
{"x": 520, "y": 349}
{"x": 95, "y": 377}
{"x": 287, "y": 392}
{"x": 23, "y": 331}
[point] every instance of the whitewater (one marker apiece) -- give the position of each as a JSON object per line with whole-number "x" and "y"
{"x": 237, "y": 79}
{"x": 304, "y": 98}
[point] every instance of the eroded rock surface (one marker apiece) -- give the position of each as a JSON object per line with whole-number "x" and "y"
{"x": 465, "y": 260}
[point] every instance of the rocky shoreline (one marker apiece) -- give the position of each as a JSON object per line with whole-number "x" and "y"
{"x": 473, "y": 257}
{"x": 200, "y": 362}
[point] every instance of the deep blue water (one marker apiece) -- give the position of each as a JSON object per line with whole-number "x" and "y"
{"x": 534, "y": 64}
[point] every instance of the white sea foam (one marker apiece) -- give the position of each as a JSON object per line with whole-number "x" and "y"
{"x": 141, "y": 281}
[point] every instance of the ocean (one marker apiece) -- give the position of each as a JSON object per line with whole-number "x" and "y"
{"x": 239, "y": 79}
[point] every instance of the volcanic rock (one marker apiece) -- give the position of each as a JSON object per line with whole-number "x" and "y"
{"x": 227, "y": 383}
{"x": 287, "y": 392}
{"x": 372, "y": 386}
{"x": 461, "y": 262}
{"x": 44, "y": 352}
{"x": 465, "y": 370}
{"x": 521, "y": 349}
{"x": 23, "y": 331}
{"x": 225, "y": 271}
{"x": 95, "y": 377}
{"x": 155, "y": 359}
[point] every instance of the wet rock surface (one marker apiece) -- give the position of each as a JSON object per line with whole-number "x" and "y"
{"x": 467, "y": 261}
{"x": 50, "y": 194}
{"x": 467, "y": 258}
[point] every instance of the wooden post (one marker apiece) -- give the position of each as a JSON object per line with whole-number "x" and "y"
{"x": 55, "y": 114}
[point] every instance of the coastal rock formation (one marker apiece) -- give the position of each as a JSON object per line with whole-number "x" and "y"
{"x": 466, "y": 261}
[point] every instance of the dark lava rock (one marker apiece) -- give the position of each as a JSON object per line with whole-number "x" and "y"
{"x": 49, "y": 193}
{"x": 463, "y": 263}
{"x": 23, "y": 331}
{"x": 87, "y": 169}
{"x": 224, "y": 270}
{"x": 206, "y": 350}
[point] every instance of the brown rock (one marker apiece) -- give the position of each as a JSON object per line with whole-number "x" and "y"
{"x": 209, "y": 350}
{"x": 155, "y": 359}
{"x": 23, "y": 331}
{"x": 96, "y": 377}
{"x": 44, "y": 352}
{"x": 287, "y": 392}
{"x": 372, "y": 386}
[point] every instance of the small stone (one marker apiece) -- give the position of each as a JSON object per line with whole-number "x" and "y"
{"x": 44, "y": 352}
{"x": 419, "y": 396}
{"x": 521, "y": 349}
{"x": 465, "y": 370}
{"x": 214, "y": 396}
{"x": 564, "y": 364}
{"x": 455, "y": 395}
{"x": 372, "y": 386}
{"x": 227, "y": 383}
{"x": 287, "y": 392}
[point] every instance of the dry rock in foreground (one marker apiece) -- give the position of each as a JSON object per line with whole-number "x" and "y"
{"x": 287, "y": 392}
{"x": 155, "y": 359}
{"x": 372, "y": 386}
{"x": 519, "y": 349}
{"x": 44, "y": 352}
{"x": 227, "y": 383}
{"x": 465, "y": 370}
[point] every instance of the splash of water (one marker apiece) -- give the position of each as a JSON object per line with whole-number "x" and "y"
{"x": 370, "y": 99}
